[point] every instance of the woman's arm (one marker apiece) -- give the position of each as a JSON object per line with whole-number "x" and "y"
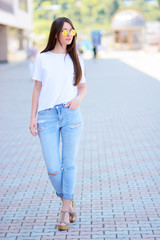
{"x": 35, "y": 97}
{"x": 74, "y": 103}
{"x": 82, "y": 90}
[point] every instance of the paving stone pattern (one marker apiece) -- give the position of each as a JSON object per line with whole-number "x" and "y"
{"x": 118, "y": 181}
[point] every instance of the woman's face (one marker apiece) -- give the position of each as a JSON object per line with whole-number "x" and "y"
{"x": 66, "y": 40}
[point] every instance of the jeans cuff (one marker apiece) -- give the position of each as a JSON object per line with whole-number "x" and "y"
{"x": 66, "y": 196}
{"x": 59, "y": 195}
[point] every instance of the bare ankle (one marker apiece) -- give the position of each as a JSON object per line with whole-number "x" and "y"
{"x": 65, "y": 209}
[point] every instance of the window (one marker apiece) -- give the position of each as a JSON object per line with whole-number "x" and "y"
{"x": 23, "y": 5}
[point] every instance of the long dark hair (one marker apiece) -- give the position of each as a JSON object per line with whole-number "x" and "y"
{"x": 56, "y": 28}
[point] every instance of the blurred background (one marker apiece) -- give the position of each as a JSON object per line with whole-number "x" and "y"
{"x": 107, "y": 25}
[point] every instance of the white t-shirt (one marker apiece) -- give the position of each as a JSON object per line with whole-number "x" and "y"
{"x": 56, "y": 72}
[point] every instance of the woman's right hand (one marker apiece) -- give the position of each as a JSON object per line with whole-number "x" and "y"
{"x": 33, "y": 127}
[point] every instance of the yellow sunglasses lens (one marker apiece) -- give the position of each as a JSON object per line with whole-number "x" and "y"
{"x": 73, "y": 32}
{"x": 65, "y": 32}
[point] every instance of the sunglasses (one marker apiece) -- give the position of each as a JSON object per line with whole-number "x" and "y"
{"x": 72, "y": 32}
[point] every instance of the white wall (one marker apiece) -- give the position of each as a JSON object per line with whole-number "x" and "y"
{"x": 20, "y": 18}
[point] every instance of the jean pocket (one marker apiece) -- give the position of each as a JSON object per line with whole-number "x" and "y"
{"x": 42, "y": 112}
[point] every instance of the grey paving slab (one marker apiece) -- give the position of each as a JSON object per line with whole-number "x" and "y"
{"x": 117, "y": 187}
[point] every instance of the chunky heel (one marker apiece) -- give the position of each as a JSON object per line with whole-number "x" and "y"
{"x": 66, "y": 226}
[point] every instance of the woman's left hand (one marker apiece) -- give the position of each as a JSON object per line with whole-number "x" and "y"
{"x": 74, "y": 103}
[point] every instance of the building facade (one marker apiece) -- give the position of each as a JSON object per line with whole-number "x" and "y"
{"x": 128, "y": 26}
{"x": 16, "y": 20}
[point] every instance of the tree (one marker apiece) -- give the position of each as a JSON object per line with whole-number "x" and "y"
{"x": 86, "y": 14}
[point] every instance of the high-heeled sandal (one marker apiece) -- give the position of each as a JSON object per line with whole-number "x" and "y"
{"x": 73, "y": 215}
{"x": 66, "y": 226}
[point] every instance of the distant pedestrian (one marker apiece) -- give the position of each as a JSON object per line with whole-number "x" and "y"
{"x": 59, "y": 89}
{"x": 95, "y": 51}
{"x": 80, "y": 49}
{"x": 32, "y": 53}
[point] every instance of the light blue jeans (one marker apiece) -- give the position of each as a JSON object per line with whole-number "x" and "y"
{"x": 51, "y": 123}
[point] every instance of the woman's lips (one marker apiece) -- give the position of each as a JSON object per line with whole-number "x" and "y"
{"x": 68, "y": 39}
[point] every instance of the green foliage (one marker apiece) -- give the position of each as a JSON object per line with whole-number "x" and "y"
{"x": 42, "y": 26}
{"x": 86, "y": 14}
{"x": 152, "y": 14}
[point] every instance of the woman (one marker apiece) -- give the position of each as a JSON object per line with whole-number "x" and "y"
{"x": 59, "y": 89}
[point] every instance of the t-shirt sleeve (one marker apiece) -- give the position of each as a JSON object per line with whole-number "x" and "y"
{"x": 83, "y": 79}
{"x": 37, "y": 72}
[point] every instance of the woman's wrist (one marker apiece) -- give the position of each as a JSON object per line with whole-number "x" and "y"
{"x": 33, "y": 116}
{"x": 79, "y": 98}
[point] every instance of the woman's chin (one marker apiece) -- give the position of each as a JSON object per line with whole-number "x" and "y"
{"x": 68, "y": 42}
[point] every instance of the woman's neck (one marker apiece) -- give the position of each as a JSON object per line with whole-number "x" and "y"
{"x": 59, "y": 49}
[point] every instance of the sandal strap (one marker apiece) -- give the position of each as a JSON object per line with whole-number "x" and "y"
{"x": 63, "y": 215}
{"x": 66, "y": 223}
{"x": 73, "y": 203}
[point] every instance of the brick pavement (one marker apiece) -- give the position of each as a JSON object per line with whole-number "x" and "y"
{"x": 117, "y": 188}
